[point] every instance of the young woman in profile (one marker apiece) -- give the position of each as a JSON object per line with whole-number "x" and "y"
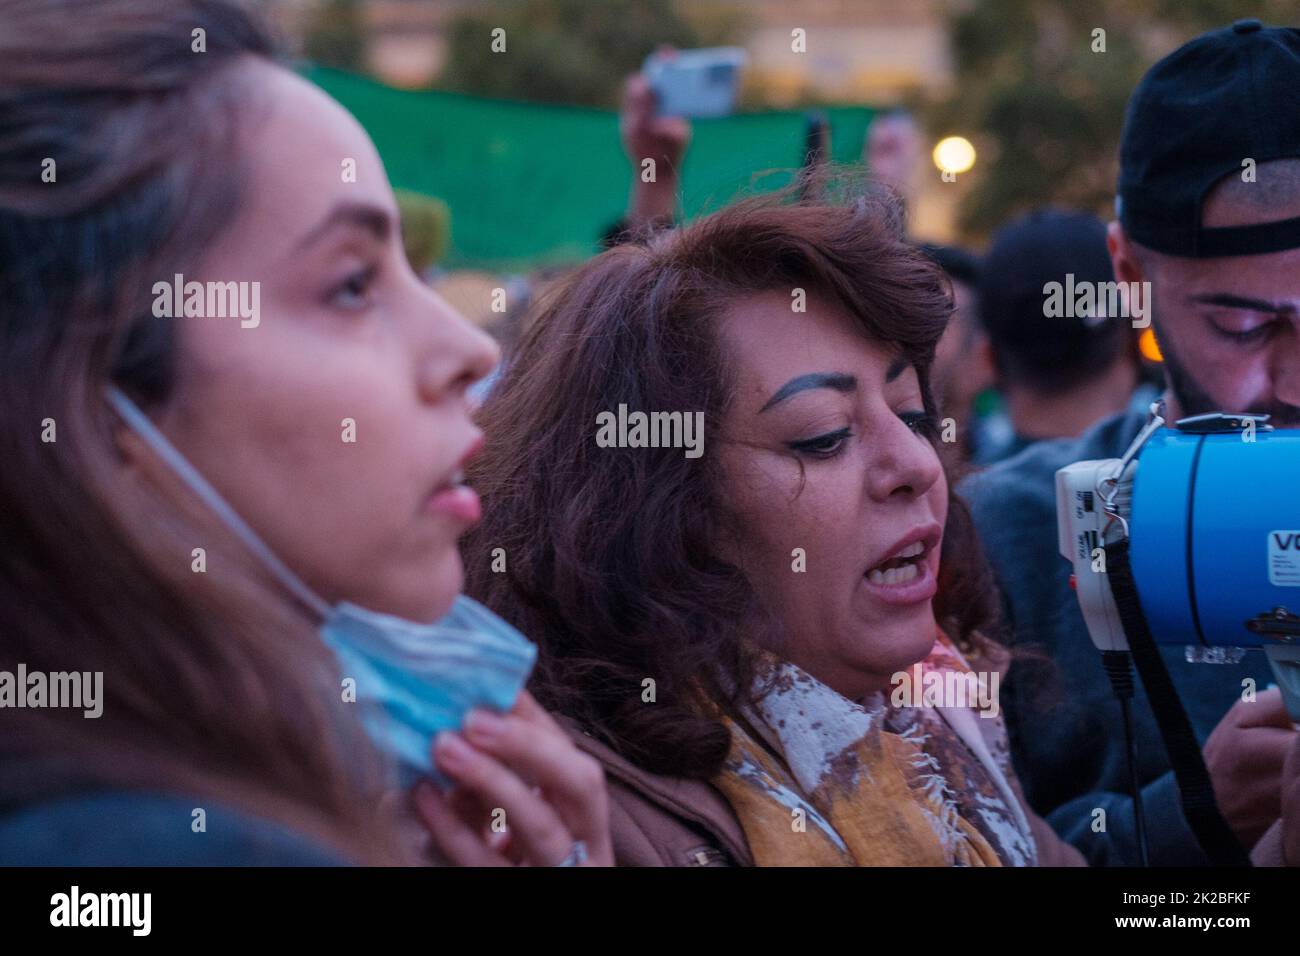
{"x": 127, "y": 159}
{"x": 724, "y": 631}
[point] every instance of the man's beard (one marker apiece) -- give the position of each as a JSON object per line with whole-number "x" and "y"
{"x": 1194, "y": 400}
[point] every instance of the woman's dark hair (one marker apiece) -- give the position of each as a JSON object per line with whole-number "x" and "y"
{"x": 120, "y": 125}
{"x": 610, "y": 555}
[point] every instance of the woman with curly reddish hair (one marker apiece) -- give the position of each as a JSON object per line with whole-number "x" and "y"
{"x": 726, "y": 620}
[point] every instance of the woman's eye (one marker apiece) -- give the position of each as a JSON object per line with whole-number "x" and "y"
{"x": 823, "y": 446}
{"x": 353, "y": 293}
{"x": 920, "y": 422}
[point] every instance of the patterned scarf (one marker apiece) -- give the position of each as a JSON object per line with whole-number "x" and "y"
{"x": 818, "y": 780}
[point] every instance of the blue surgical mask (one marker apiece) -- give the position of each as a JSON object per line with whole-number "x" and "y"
{"x": 427, "y": 676}
{"x": 414, "y": 680}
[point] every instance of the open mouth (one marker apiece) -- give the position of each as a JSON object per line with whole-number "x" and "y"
{"x": 902, "y": 568}
{"x": 455, "y": 499}
{"x": 457, "y": 479}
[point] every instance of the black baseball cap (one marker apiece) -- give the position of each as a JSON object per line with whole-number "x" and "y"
{"x": 1224, "y": 97}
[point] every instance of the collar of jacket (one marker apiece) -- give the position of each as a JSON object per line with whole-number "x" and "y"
{"x": 693, "y": 800}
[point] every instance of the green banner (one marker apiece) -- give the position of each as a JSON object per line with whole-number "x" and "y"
{"x": 531, "y": 184}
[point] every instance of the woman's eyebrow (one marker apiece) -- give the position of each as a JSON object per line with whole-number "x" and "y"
{"x": 373, "y": 219}
{"x": 837, "y": 381}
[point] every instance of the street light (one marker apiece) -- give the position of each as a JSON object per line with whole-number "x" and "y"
{"x": 954, "y": 154}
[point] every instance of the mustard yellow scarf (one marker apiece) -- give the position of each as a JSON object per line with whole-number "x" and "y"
{"x": 818, "y": 780}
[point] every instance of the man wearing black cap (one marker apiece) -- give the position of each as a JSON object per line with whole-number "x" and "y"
{"x": 1209, "y": 215}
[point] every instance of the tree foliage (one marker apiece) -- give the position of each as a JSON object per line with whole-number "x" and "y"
{"x": 335, "y": 35}
{"x": 565, "y": 51}
{"x": 1044, "y": 109}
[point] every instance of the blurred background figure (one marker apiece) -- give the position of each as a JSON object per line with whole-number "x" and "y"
{"x": 1056, "y": 374}
{"x": 962, "y": 375}
{"x": 892, "y": 152}
{"x": 646, "y": 135}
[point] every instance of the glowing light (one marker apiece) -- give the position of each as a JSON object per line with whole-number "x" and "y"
{"x": 1148, "y": 347}
{"x": 954, "y": 154}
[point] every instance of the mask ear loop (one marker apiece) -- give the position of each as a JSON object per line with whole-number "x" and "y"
{"x": 138, "y": 422}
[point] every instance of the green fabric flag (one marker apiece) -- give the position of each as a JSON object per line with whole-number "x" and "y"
{"x": 531, "y": 184}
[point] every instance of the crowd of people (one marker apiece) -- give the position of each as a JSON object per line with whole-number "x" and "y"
{"x": 206, "y": 512}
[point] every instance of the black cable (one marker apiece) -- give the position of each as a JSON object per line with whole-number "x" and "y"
{"x": 1195, "y": 790}
{"x": 1119, "y": 668}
